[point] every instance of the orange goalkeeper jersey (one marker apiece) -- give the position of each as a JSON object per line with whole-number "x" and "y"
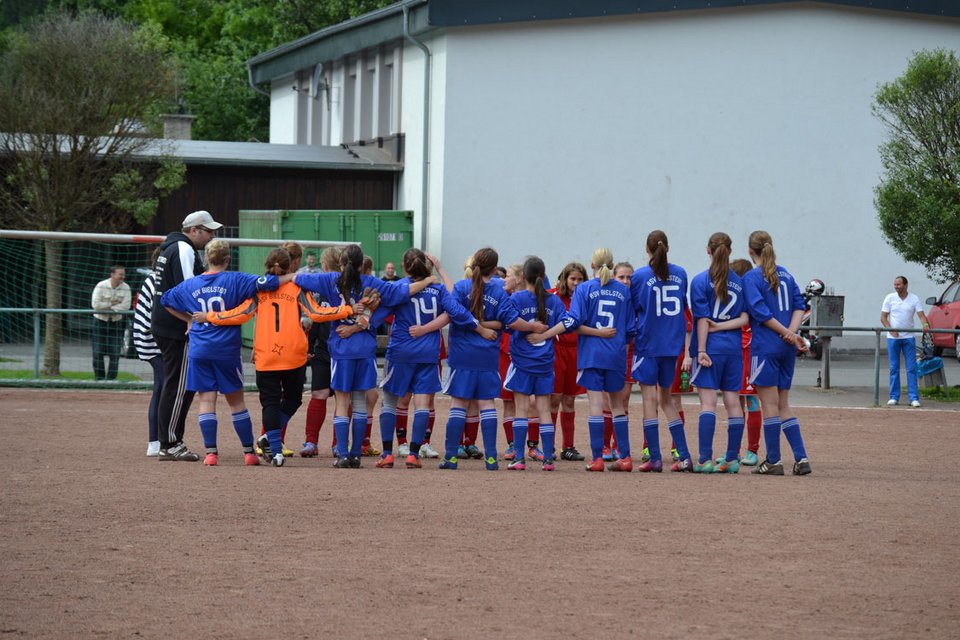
{"x": 279, "y": 342}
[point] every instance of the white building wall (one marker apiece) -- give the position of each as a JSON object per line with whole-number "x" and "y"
{"x": 564, "y": 136}
{"x": 283, "y": 110}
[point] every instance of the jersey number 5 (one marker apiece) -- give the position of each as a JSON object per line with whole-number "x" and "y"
{"x": 605, "y": 315}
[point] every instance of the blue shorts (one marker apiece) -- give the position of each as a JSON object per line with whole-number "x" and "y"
{"x": 655, "y": 370}
{"x": 225, "y": 376}
{"x": 773, "y": 370}
{"x": 472, "y": 384}
{"x": 353, "y": 375}
{"x": 726, "y": 374}
{"x": 527, "y": 384}
{"x": 401, "y": 378}
{"x": 609, "y": 380}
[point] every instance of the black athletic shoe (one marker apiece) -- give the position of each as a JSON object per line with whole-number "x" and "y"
{"x": 473, "y": 451}
{"x": 342, "y": 463}
{"x": 801, "y": 467}
{"x": 766, "y": 468}
{"x": 354, "y": 462}
{"x": 571, "y": 454}
{"x": 177, "y": 452}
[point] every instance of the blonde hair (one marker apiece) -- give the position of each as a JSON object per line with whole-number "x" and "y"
{"x": 293, "y": 249}
{"x": 468, "y": 268}
{"x": 761, "y": 244}
{"x": 602, "y": 261}
{"x": 330, "y": 259}
{"x": 217, "y": 253}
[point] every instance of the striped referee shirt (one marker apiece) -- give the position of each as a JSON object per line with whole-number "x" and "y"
{"x": 146, "y": 346}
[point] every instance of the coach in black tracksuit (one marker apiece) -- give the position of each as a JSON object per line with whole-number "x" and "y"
{"x": 178, "y": 261}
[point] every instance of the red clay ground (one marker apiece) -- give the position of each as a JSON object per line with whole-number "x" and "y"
{"x": 100, "y": 541}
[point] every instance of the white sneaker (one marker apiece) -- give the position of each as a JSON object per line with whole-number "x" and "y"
{"x": 426, "y": 451}
{"x": 915, "y": 404}
{"x": 153, "y": 449}
{"x": 403, "y": 450}
{"x": 891, "y": 402}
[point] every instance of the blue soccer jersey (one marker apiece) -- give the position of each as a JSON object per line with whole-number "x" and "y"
{"x": 363, "y": 344}
{"x": 216, "y": 292}
{"x": 536, "y": 359}
{"x": 468, "y": 349}
{"x": 602, "y": 307}
{"x": 422, "y": 309}
{"x": 661, "y": 325}
{"x": 764, "y": 303}
{"x": 704, "y": 304}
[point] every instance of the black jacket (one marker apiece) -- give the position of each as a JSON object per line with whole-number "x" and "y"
{"x": 178, "y": 261}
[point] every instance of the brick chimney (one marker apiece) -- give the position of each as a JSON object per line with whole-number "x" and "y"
{"x": 178, "y": 126}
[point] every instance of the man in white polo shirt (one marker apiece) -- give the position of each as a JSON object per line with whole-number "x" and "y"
{"x": 897, "y": 313}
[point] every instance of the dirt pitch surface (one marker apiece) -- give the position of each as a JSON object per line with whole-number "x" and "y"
{"x": 100, "y": 541}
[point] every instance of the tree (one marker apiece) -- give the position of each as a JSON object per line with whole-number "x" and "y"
{"x": 918, "y": 198}
{"x": 77, "y": 96}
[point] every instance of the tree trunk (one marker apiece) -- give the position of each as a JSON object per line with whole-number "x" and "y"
{"x": 54, "y": 321}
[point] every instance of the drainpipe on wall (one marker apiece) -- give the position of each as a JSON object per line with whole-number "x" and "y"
{"x": 428, "y": 63}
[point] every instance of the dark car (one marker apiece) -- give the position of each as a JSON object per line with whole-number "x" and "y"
{"x": 945, "y": 314}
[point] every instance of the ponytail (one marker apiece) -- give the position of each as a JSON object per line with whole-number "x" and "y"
{"x": 761, "y": 244}
{"x": 416, "y": 265}
{"x": 534, "y": 272}
{"x": 277, "y": 262}
{"x": 349, "y": 282}
{"x": 602, "y": 261}
{"x": 719, "y": 245}
{"x": 484, "y": 263}
{"x": 657, "y": 247}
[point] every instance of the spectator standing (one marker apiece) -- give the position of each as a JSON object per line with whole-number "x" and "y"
{"x": 897, "y": 313}
{"x": 390, "y": 273}
{"x": 110, "y": 295}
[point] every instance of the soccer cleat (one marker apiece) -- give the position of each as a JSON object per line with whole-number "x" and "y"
{"x": 309, "y": 450}
{"x": 651, "y": 466}
{"x": 571, "y": 454}
{"x": 448, "y": 463}
{"x": 596, "y": 465}
{"x": 492, "y": 464}
{"x": 461, "y": 451}
{"x": 179, "y": 453}
{"x": 549, "y": 464}
{"x": 750, "y": 459}
{"x": 801, "y": 467}
{"x": 645, "y": 455}
{"x": 915, "y": 404}
{"x": 385, "y": 462}
{"x": 727, "y": 466}
{"x": 892, "y": 403}
{"x": 675, "y": 454}
{"x": 277, "y": 460}
{"x": 369, "y": 451}
{"x": 153, "y": 449}
{"x": 287, "y": 453}
{"x": 413, "y": 462}
{"x": 403, "y": 450}
{"x": 210, "y": 460}
{"x": 534, "y": 453}
{"x": 682, "y": 465}
{"x": 510, "y": 453}
{"x": 251, "y": 459}
{"x": 342, "y": 463}
{"x": 473, "y": 451}
{"x": 768, "y": 468}
{"x": 615, "y": 453}
{"x": 333, "y": 451}
{"x": 263, "y": 447}
{"x": 354, "y": 462}
{"x": 427, "y": 451}
{"x": 607, "y": 454}
{"x": 706, "y": 467}
{"x": 520, "y": 464}
{"x": 623, "y": 464}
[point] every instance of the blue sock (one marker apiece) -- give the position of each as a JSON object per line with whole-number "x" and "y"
{"x": 388, "y": 424}
{"x": 520, "y": 437}
{"x": 421, "y": 420}
{"x": 651, "y": 431}
{"x": 488, "y": 429}
{"x": 679, "y": 438}
{"x": 208, "y": 428}
{"x": 708, "y": 425}
{"x": 284, "y": 419}
{"x": 791, "y": 430}
{"x": 276, "y": 441}
{"x": 734, "y": 437}
{"x": 359, "y": 431}
{"x": 455, "y": 423}
{"x": 243, "y": 425}
{"x": 548, "y": 436}
{"x": 595, "y": 423}
{"x": 341, "y": 427}
{"x": 621, "y": 428}
{"x": 771, "y": 437}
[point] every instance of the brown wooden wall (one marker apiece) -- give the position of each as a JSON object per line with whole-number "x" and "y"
{"x": 224, "y": 191}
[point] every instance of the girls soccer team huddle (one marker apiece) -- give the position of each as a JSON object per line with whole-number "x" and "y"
{"x": 736, "y": 336}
